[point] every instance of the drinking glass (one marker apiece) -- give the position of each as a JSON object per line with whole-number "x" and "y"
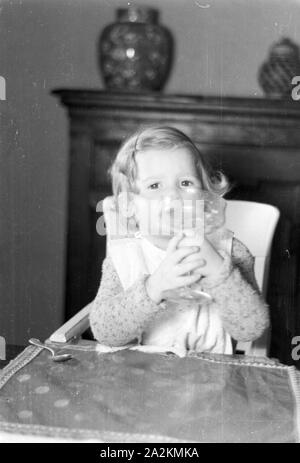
{"x": 196, "y": 214}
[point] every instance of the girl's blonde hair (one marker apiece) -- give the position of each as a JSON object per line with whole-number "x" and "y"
{"x": 124, "y": 169}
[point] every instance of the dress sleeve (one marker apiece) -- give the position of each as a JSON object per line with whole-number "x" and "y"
{"x": 235, "y": 292}
{"x": 119, "y": 316}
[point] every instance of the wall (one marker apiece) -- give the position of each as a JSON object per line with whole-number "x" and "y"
{"x": 45, "y": 44}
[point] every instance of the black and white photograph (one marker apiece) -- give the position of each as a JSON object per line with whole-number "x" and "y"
{"x": 149, "y": 224}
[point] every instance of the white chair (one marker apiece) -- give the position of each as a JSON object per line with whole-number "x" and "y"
{"x": 252, "y": 223}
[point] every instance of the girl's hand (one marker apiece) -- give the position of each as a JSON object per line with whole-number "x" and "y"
{"x": 174, "y": 271}
{"x": 211, "y": 259}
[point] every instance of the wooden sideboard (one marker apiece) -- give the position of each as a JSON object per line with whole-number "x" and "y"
{"x": 255, "y": 141}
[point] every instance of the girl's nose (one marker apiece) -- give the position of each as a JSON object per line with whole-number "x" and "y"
{"x": 173, "y": 193}
{"x": 171, "y": 200}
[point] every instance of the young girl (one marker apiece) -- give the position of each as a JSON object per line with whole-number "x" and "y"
{"x": 140, "y": 271}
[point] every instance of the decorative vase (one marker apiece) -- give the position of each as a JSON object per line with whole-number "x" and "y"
{"x": 135, "y": 52}
{"x": 276, "y": 73}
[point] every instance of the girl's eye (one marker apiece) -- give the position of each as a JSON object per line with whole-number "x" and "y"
{"x": 153, "y": 186}
{"x": 186, "y": 183}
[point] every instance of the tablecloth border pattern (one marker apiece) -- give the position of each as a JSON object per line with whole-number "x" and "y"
{"x": 84, "y": 434}
{"x": 237, "y": 361}
{"x": 28, "y": 354}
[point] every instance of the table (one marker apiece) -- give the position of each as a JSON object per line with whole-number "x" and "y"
{"x": 132, "y": 396}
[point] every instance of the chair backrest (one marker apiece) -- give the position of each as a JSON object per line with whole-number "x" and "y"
{"x": 254, "y": 224}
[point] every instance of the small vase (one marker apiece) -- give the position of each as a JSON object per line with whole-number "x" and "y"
{"x": 135, "y": 53}
{"x": 276, "y": 73}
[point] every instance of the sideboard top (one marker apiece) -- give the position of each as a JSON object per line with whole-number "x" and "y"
{"x": 184, "y": 103}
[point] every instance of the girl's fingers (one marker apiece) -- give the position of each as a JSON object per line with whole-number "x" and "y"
{"x": 188, "y": 280}
{"x": 182, "y": 269}
{"x": 181, "y": 253}
{"x": 173, "y": 243}
{"x": 195, "y": 257}
{"x": 199, "y": 270}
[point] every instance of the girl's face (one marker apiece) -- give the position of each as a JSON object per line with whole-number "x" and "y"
{"x": 162, "y": 176}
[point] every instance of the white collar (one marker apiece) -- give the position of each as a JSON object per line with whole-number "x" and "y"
{"x": 153, "y": 254}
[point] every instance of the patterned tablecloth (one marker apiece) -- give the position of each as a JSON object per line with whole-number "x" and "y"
{"x": 131, "y": 396}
